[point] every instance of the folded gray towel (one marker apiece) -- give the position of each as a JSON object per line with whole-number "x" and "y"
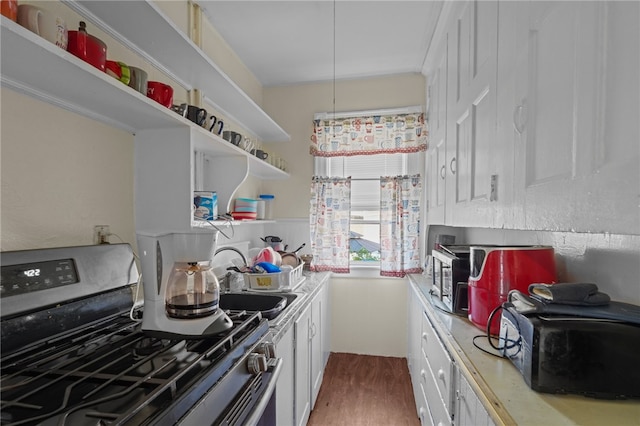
{"x": 584, "y": 294}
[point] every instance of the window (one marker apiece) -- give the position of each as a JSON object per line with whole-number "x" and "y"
{"x": 365, "y": 172}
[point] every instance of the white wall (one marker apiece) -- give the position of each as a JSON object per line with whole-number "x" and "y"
{"x": 368, "y": 316}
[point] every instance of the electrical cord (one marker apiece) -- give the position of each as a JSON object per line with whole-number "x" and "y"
{"x": 509, "y": 343}
{"x": 138, "y": 283}
{"x": 228, "y": 220}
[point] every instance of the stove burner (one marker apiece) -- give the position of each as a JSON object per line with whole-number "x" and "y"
{"x": 148, "y": 345}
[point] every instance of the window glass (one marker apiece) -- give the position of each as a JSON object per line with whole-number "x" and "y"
{"x": 365, "y": 172}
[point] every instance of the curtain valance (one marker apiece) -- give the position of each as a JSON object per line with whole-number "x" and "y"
{"x": 368, "y": 135}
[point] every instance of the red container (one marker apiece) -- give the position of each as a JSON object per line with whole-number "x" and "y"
{"x": 10, "y": 9}
{"x": 496, "y": 270}
{"x": 87, "y": 47}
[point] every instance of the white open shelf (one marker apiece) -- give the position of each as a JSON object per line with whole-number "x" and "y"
{"x": 38, "y": 68}
{"x": 143, "y": 27}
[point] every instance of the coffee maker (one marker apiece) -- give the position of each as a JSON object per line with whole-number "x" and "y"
{"x": 181, "y": 292}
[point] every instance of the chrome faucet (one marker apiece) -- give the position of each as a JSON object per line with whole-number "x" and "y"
{"x": 227, "y": 278}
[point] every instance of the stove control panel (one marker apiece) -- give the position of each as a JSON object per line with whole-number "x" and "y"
{"x": 31, "y": 277}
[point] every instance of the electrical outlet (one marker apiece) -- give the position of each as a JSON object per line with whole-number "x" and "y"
{"x": 101, "y": 234}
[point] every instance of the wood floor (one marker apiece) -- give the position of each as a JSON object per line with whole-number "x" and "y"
{"x": 359, "y": 390}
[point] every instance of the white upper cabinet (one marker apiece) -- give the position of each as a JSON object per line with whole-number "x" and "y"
{"x": 575, "y": 115}
{"x": 461, "y": 76}
{"x": 437, "y": 116}
{"x": 472, "y": 103}
{"x": 542, "y": 116}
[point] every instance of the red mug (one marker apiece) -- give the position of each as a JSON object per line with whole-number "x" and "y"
{"x": 160, "y": 92}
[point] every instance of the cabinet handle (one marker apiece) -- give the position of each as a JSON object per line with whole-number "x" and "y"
{"x": 452, "y": 164}
{"x": 519, "y": 123}
{"x": 443, "y": 172}
{"x": 424, "y": 336}
{"x": 441, "y": 374}
{"x": 312, "y": 330}
{"x": 423, "y": 373}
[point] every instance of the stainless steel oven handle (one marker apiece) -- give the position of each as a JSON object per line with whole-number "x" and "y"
{"x": 256, "y": 413}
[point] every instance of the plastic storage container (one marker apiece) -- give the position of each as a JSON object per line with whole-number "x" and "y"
{"x": 268, "y": 205}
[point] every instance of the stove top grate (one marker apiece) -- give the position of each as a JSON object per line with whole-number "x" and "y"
{"x": 112, "y": 373}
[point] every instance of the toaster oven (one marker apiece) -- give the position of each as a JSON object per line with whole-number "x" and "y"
{"x": 450, "y": 277}
{"x": 570, "y": 354}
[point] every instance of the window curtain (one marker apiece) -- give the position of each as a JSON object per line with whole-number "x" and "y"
{"x": 329, "y": 220}
{"x": 367, "y": 135}
{"x": 400, "y": 225}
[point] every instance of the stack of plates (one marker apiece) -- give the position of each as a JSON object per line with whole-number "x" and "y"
{"x": 245, "y": 208}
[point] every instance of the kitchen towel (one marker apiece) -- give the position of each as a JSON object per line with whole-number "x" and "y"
{"x": 584, "y": 294}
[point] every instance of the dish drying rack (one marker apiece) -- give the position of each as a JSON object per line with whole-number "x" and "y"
{"x": 275, "y": 281}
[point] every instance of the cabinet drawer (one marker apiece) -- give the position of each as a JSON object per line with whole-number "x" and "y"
{"x": 422, "y": 406}
{"x": 438, "y": 412}
{"x": 439, "y": 362}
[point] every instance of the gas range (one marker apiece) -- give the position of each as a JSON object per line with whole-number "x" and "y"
{"x": 86, "y": 361}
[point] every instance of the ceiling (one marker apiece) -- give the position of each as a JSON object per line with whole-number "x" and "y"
{"x": 292, "y": 42}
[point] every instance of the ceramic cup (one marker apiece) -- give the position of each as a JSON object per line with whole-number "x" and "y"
{"x": 160, "y": 92}
{"x": 119, "y": 71}
{"x": 195, "y": 114}
{"x": 260, "y": 154}
{"x": 247, "y": 144}
{"x": 213, "y": 121}
{"x": 138, "y": 80}
{"x": 233, "y": 137}
{"x": 44, "y": 23}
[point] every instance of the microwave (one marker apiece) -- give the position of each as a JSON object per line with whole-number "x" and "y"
{"x": 451, "y": 270}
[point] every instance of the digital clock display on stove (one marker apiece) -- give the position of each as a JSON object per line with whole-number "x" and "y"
{"x": 30, "y": 277}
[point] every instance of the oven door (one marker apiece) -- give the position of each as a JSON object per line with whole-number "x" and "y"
{"x": 254, "y": 400}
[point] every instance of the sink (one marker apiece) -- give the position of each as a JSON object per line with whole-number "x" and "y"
{"x": 270, "y": 305}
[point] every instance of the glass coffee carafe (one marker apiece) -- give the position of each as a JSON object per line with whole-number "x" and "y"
{"x": 193, "y": 291}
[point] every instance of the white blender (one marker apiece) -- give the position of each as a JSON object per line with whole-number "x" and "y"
{"x": 181, "y": 292}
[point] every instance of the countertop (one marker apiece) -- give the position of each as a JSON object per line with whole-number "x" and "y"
{"x": 501, "y": 387}
{"x": 305, "y": 293}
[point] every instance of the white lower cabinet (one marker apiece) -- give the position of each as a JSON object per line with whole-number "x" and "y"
{"x": 442, "y": 393}
{"x": 285, "y": 386}
{"x": 469, "y": 410}
{"x": 311, "y": 344}
{"x": 318, "y": 340}
{"x": 302, "y": 404}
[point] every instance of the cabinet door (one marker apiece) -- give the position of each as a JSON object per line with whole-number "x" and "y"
{"x": 437, "y": 101}
{"x": 414, "y": 324}
{"x": 559, "y": 110}
{"x": 469, "y": 410}
{"x": 303, "y": 387}
{"x": 326, "y": 325}
{"x": 285, "y": 386}
{"x": 317, "y": 350}
{"x": 471, "y": 147}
